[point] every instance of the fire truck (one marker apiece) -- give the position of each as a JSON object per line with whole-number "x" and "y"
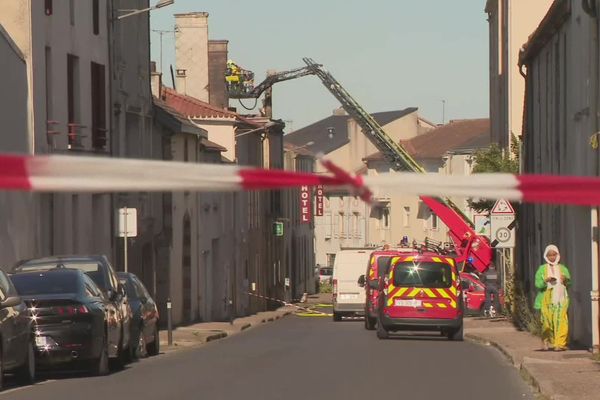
{"x": 469, "y": 247}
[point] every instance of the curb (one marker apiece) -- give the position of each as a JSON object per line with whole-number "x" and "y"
{"x": 526, "y": 375}
{"x": 245, "y": 326}
{"x": 216, "y": 336}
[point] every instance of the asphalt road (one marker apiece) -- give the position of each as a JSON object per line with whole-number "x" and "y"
{"x": 298, "y": 359}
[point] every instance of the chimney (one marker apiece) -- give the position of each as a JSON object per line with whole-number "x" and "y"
{"x": 217, "y": 66}
{"x": 339, "y": 111}
{"x": 191, "y": 52}
{"x": 155, "y": 80}
{"x": 181, "y": 81}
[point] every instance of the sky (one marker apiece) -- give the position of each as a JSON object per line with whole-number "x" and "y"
{"x": 388, "y": 54}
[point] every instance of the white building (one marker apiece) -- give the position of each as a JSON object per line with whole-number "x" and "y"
{"x": 446, "y": 150}
{"x": 511, "y": 22}
{"x": 345, "y": 220}
{"x": 65, "y": 46}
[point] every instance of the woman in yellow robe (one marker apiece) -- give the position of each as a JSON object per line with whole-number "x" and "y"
{"x": 552, "y": 280}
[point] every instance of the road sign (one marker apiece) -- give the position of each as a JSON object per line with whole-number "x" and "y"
{"x": 482, "y": 224}
{"x": 503, "y": 223}
{"x": 503, "y": 233}
{"x": 278, "y": 228}
{"x": 127, "y": 226}
{"x": 503, "y": 207}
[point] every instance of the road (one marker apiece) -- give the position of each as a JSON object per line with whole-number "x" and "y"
{"x": 301, "y": 358}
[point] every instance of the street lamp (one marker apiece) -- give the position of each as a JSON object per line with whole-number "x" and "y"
{"x": 160, "y": 4}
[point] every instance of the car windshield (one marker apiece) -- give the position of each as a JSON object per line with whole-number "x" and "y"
{"x": 423, "y": 274}
{"x": 91, "y": 268}
{"x": 45, "y": 283}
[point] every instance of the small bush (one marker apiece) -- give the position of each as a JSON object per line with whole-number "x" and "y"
{"x": 325, "y": 287}
{"x": 519, "y": 309}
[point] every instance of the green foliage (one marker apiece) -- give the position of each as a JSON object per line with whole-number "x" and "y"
{"x": 495, "y": 159}
{"x": 518, "y": 308}
{"x": 325, "y": 287}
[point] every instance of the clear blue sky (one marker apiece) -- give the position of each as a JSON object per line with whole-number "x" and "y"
{"x": 389, "y": 54}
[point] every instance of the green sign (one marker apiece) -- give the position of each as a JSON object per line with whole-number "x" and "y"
{"x": 278, "y": 228}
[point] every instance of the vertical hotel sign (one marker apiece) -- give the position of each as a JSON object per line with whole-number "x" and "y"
{"x": 319, "y": 201}
{"x": 305, "y": 205}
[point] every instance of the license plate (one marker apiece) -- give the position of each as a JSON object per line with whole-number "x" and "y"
{"x": 408, "y": 303}
{"x": 348, "y": 296}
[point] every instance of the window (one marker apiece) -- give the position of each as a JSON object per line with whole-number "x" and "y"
{"x": 4, "y": 286}
{"x": 98, "y": 107}
{"x": 406, "y": 217}
{"x": 424, "y": 274}
{"x": 355, "y": 226}
{"x": 343, "y": 227}
{"x": 96, "y": 16}
{"x": 434, "y": 222}
{"x": 73, "y": 100}
{"x": 384, "y": 220}
{"x": 72, "y": 12}
{"x": 328, "y": 226}
{"x": 90, "y": 287}
{"x": 48, "y": 7}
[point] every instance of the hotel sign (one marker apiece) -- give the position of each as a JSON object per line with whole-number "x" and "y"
{"x": 319, "y": 201}
{"x": 305, "y": 205}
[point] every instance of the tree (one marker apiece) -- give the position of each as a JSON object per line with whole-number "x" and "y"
{"x": 495, "y": 159}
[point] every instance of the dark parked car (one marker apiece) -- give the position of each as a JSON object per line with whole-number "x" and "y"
{"x": 17, "y": 349}
{"x": 98, "y": 268}
{"x": 144, "y": 323}
{"x": 70, "y": 317}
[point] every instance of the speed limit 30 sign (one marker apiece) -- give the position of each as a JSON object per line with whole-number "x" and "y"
{"x": 503, "y": 223}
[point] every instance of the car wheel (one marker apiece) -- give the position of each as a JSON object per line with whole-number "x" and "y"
{"x": 382, "y": 333}
{"x": 369, "y": 322}
{"x": 26, "y": 373}
{"x": 100, "y": 365}
{"x": 337, "y": 317}
{"x": 154, "y": 348}
{"x": 456, "y": 334}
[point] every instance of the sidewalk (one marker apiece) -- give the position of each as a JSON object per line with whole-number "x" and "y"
{"x": 204, "y": 332}
{"x": 557, "y": 375}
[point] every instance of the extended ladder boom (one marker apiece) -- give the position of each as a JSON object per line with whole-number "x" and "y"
{"x": 469, "y": 245}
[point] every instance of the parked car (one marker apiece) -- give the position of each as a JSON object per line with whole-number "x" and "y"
{"x": 325, "y": 274}
{"x": 144, "y": 336}
{"x": 421, "y": 292}
{"x": 71, "y": 317}
{"x": 348, "y": 295}
{"x": 17, "y": 354}
{"x": 474, "y": 293}
{"x": 99, "y": 269}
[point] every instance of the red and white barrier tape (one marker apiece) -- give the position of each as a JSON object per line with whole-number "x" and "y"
{"x": 95, "y": 174}
{"x": 285, "y": 303}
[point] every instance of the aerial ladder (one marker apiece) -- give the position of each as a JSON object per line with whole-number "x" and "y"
{"x": 469, "y": 246}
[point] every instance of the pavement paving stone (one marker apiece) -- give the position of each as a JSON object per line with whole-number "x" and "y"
{"x": 567, "y": 375}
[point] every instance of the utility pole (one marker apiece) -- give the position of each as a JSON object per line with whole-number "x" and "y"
{"x": 161, "y": 32}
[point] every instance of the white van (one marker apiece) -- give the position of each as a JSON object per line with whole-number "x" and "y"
{"x": 348, "y": 296}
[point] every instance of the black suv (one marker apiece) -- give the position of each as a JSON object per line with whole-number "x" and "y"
{"x": 16, "y": 337}
{"x": 102, "y": 273}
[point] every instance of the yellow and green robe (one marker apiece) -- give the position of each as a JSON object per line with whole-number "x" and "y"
{"x": 555, "y": 322}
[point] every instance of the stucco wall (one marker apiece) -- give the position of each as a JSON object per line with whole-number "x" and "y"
{"x": 17, "y": 210}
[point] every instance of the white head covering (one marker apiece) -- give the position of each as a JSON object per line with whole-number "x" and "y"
{"x": 559, "y": 291}
{"x": 553, "y": 248}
